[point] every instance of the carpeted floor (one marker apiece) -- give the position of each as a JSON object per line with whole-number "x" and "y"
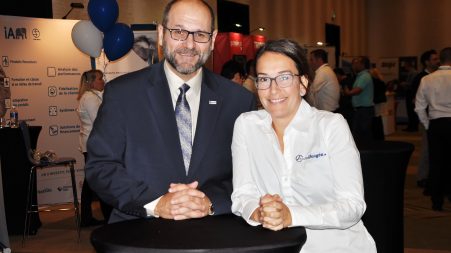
{"x": 426, "y": 231}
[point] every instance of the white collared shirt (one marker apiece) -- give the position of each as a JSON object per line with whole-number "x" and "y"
{"x": 318, "y": 176}
{"x": 325, "y": 91}
{"x": 193, "y": 98}
{"x": 434, "y": 93}
{"x": 192, "y": 95}
{"x": 87, "y": 111}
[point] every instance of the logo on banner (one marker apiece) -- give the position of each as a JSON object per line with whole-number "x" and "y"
{"x": 64, "y": 188}
{"x": 53, "y": 110}
{"x": 45, "y": 190}
{"x": 52, "y": 91}
{"x": 51, "y": 71}
{"x": 17, "y": 33}
{"x": 6, "y": 82}
{"x": 36, "y": 33}
{"x": 53, "y": 130}
{"x": 5, "y": 61}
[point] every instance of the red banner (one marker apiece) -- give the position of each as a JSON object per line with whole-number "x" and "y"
{"x": 230, "y": 45}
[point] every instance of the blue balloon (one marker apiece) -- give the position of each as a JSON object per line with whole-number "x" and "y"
{"x": 118, "y": 41}
{"x": 103, "y": 13}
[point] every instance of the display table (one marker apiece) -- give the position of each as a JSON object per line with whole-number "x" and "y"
{"x": 384, "y": 165}
{"x": 15, "y": 174}
{"x": 224, "y": 233}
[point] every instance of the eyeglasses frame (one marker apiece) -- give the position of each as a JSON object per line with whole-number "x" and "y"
{"x": 189, "y": 32}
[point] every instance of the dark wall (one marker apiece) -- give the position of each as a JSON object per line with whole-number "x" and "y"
{"x": 35, "y": 9}
{"x": 231, "y": 13}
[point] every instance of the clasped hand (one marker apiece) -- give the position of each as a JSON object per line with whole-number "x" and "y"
{"x": 272, "y": 213}
{"x": 183, "y": 201}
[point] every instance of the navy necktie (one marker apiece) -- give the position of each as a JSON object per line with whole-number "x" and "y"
{"x": 183, "y": 117}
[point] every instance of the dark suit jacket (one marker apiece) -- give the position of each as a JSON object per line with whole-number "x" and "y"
{"x": 134, "y": 147}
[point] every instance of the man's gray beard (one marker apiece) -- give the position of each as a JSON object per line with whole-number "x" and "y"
{"x": 184, "y": 70}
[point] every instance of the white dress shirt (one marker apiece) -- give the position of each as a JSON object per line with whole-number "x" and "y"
{"x": 324, "y": 93}
{"x": 193, "y": 98}
{"x": 87, "y": 111}
{"x": 318, "y": 176}
{"x": 434, "y": 93}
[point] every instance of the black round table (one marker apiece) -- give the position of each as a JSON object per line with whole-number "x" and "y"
{"x": 15, "y": 173}
{"x": 384, "y": 166}
{"x": 224, "y": 233}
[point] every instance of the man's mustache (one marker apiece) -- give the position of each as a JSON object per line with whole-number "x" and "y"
{"x": 187, "y": 51}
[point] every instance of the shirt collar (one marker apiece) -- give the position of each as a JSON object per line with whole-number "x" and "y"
{"x": 303, "y": 117}
{"x": 322, "y": 66}
{"x": 362, "y": 72}
{"x": 98, "y": 93}
{"x": 175, "y": 81}
{"x": 444, "y": 67}
{"x": 300, "y": 121}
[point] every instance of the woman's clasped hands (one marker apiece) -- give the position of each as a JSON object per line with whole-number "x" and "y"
{"x": 272, "y": 213}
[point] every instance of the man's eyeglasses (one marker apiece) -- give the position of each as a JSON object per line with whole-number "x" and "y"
{"x": 181, "y": 35}
{"x": 283, "y": 81}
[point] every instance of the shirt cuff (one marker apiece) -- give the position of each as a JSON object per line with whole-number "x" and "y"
{"x": 150, "y": 208}
{"x": 248, "y": 209}
{"x": 305, "y": 216}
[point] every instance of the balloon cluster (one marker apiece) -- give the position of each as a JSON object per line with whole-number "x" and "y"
{"x": 102, "y": 31}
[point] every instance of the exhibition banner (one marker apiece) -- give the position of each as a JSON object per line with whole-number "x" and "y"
{"x": 389, "y": 68}
{"x": 236, "y": 46}
{"x": 42, "y": 70}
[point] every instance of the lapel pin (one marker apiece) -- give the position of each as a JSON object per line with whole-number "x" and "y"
{"x": 212, "y": 102}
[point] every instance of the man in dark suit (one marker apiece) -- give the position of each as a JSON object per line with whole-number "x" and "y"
{"x": 137, "y": 163}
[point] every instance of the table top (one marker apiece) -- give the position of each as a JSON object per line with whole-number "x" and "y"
{"x": 385, "y": 147}
{"x": 224, "y": 233}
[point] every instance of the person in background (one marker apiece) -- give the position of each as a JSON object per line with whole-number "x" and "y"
{"x": 412, "y": 118}
{"x": 430, "y": 61}
{"x": 306, "y": 170}
{"x": 433, "y": 107}
{"x": 362, "y": 100}
{"x": 233, "y": 71}
{"x": 160, "y": 146}
{"x": 345, "y": 106}
{"x": 249, "y": 83}
{"x": 90, "y": 97}
{"x": 324, "y": 93}
{"x": 379, "y": 99}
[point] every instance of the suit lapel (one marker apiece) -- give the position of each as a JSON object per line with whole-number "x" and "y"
{"x": 161, "y": 107}
{"x": 209, "y": 108}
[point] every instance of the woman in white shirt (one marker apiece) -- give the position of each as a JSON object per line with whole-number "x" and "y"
{"x": 90, "y": 95}
{"x": 294, "y": 165}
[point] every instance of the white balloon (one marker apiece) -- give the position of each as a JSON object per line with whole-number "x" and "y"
{"x": 87, "y": 38}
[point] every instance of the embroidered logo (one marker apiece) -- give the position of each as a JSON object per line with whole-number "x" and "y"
{"x": 300, "y": 158}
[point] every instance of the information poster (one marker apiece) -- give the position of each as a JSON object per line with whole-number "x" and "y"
{"x": 41, "y": 71}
